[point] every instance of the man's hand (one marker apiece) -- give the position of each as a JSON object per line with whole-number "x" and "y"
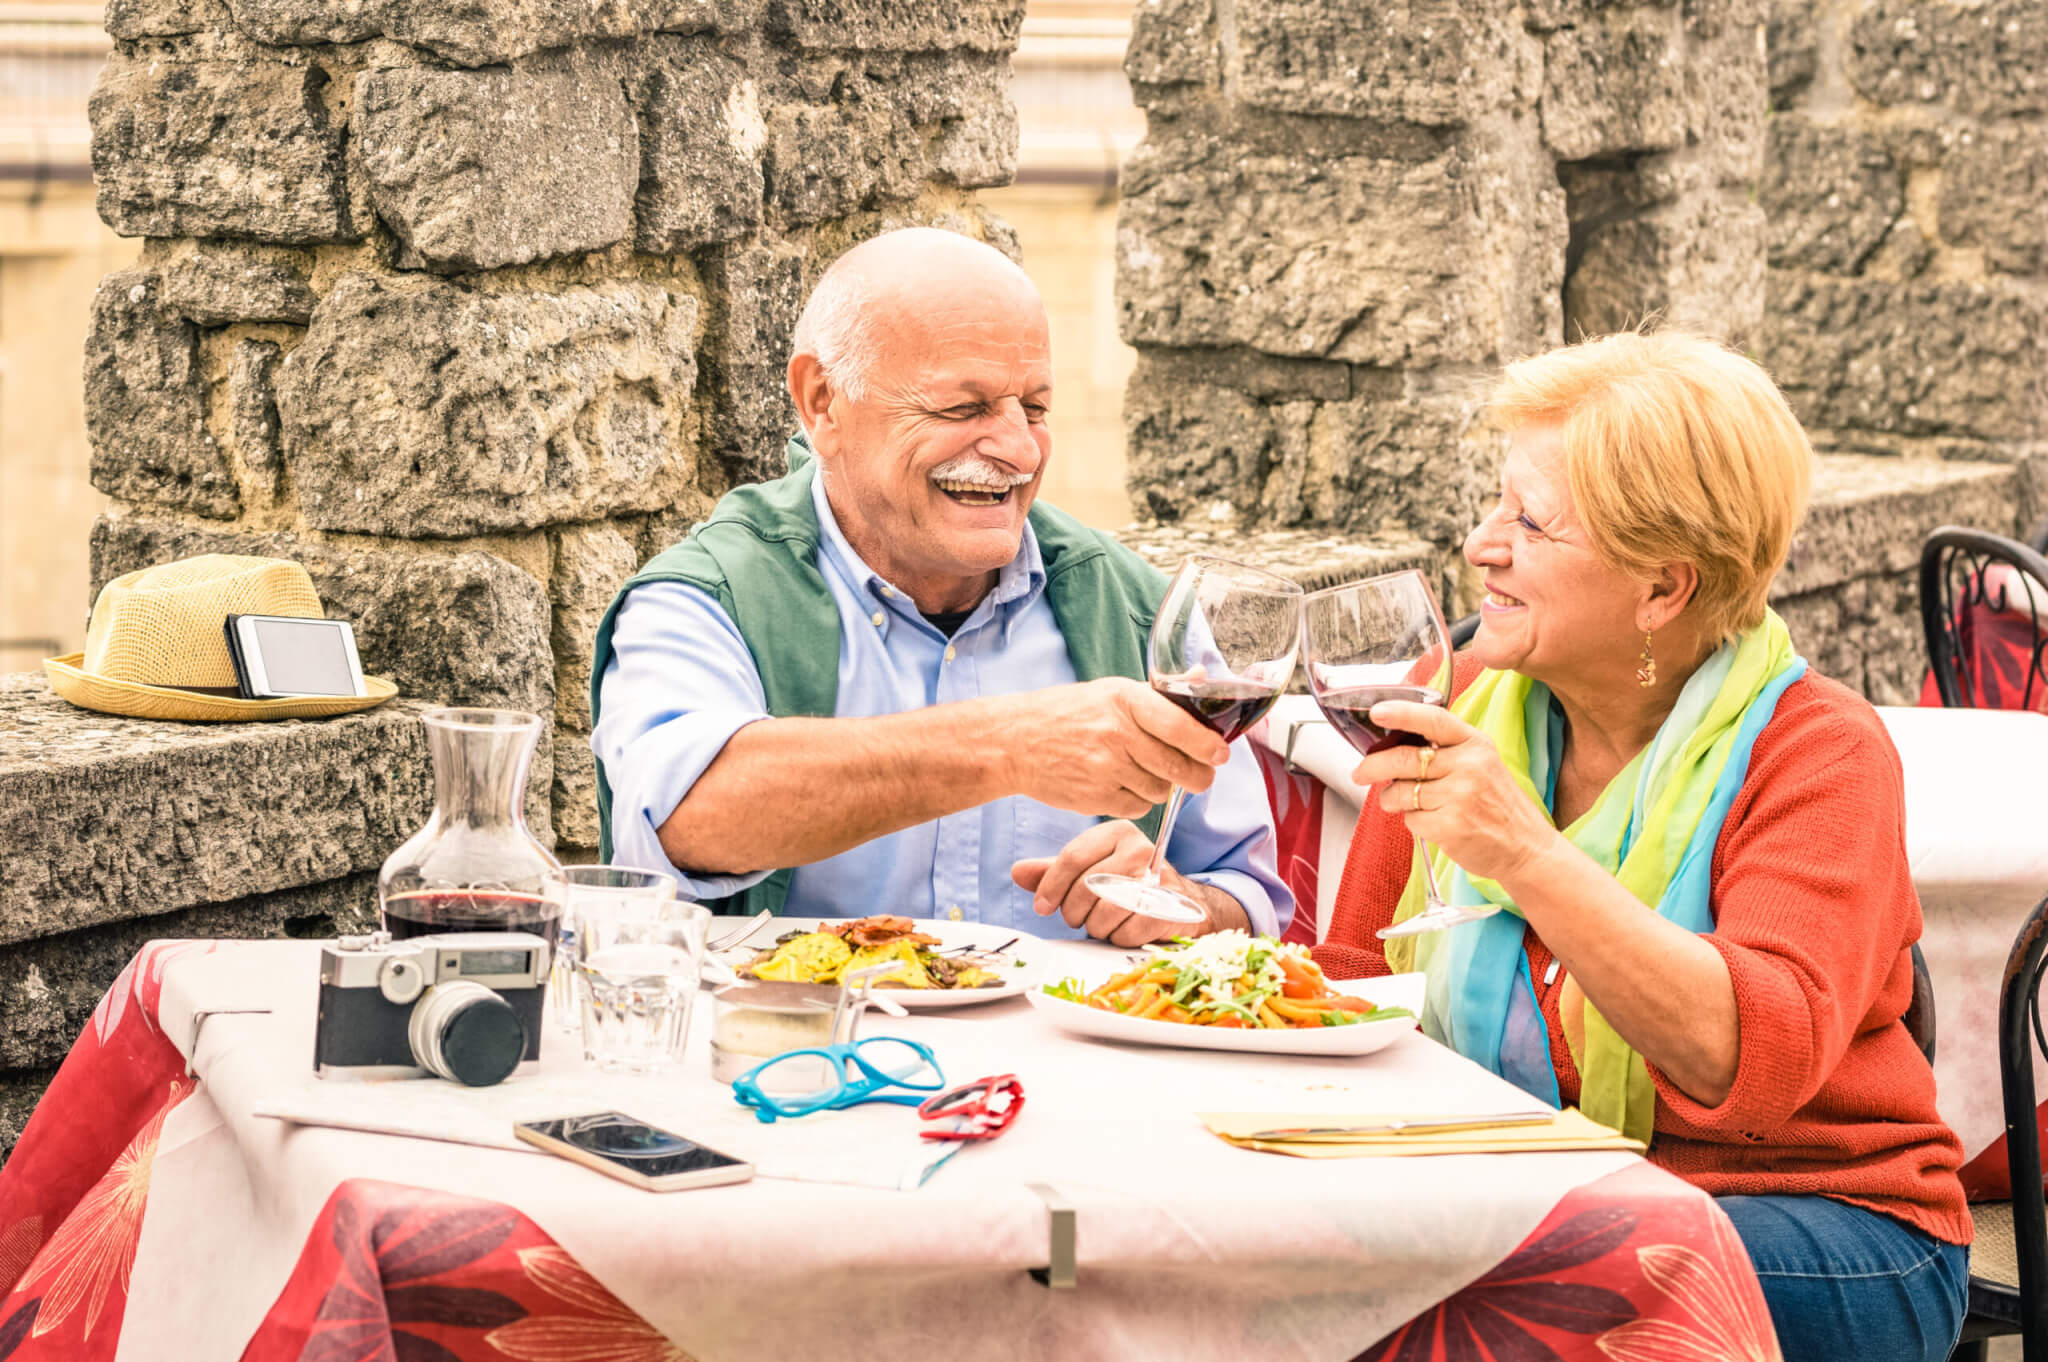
{"x": 1114, "y": 747}
{"x": 1117, "y": 848}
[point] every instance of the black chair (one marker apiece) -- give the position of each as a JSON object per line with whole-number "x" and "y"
{"x": 1462, "y": 630}
{"x": 1959, "y": 609}
{"x": 2009, "y": 1260}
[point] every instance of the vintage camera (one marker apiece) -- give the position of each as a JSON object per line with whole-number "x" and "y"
{"x": 464, "y": 1006}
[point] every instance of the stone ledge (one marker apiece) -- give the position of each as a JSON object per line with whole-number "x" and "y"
{"x": 1869, "y": 514}
{"x": 105, "y": 819}
{"x": 1314, "y": 558}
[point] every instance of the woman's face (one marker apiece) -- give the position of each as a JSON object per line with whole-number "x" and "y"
{"x": 1553, "y": 610}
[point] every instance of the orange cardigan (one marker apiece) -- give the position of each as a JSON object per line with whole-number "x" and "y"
{"x": 1814, "y": 912}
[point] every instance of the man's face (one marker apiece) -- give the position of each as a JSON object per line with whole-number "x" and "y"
{"x": 933, "y": 471}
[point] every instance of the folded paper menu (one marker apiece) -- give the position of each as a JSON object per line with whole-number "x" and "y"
{"x": 1327, "y": 1135}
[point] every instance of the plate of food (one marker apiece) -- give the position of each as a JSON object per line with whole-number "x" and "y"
{"x": 1233, "y": 991}
{"x": 937, "y": 964}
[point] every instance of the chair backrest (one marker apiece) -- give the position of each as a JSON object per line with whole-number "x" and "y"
{"x": 1919, "y": 1018}
{"x": 2019, "y": 1026}
{"x": 1984, "y": 607}
{"x": 1461, "y": 630}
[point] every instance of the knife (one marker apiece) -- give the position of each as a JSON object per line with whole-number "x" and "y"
{"x": 1419, "y": 1126}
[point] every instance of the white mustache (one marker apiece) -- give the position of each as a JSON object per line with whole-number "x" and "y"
{"x": 979, "y": 471}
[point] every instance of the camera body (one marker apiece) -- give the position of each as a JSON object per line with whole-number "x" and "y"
{"x": 397, "y": 1009}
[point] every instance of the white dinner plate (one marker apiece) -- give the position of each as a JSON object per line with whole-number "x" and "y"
{"x": 1395, "y": 990}
{"x": 1022, "y": 964}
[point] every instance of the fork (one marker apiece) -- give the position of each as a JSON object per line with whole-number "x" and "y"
{"x": 739, "y": 933}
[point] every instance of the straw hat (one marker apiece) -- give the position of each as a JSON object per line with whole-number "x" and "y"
{"x": 156, "y": 644}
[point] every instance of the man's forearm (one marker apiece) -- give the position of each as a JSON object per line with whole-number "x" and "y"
{"x": 793, "y": 791}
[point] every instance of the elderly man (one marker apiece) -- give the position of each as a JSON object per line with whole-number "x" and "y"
{"x": 887, "y": 682}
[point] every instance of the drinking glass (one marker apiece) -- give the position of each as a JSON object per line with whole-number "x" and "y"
{"x": 1383, "y": 639}
{"x": 569, "y": 889}
{"x": 638, "y": 957}
{"x": 1223, "y": 648}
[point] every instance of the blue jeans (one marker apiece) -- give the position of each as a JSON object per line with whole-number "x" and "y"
{"x": 1842, "y": 1282}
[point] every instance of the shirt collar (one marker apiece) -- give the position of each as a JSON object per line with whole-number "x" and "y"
{"x": 1019, "y": 580}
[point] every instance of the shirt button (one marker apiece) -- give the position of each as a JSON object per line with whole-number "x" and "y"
{"x": 890, "y": 592}
{"x": 949, "y": 652}
{"x": 877, "y": 618}
{"x": 954, "y": 914}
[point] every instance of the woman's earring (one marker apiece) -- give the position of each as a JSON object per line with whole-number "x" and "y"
{"x": 1646, "y": 675}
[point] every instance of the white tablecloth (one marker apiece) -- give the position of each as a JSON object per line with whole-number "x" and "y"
{"x": 1976, "y": 837}
{"x": 1188, "y": 1248}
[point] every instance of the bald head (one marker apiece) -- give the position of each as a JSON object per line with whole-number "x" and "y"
{"x": 869, "y": 293}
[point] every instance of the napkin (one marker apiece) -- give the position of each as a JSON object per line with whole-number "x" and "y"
{"x": 1567, "y": 1129}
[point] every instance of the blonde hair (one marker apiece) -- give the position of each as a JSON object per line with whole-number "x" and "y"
{"x": 1677, "y": 449}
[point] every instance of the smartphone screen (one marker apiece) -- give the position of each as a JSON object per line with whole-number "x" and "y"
{"x": 304, "y": 657}
{"x": 620, "y": 1139}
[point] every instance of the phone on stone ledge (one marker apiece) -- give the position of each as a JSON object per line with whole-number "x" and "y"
{"x": 633, "y": 1151}
{"x": 283, "y": 656}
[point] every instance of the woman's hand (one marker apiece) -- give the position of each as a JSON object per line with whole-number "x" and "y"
{"x": 1456, "y": 793}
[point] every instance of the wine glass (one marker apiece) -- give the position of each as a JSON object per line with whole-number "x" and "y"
{"x": 1223, "y": 648}
{"x": 1383, "y": 639}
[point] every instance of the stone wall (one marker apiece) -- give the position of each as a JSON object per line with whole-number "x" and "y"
{"x": 1345, "y": 217}
{"x": 472, "y": 308}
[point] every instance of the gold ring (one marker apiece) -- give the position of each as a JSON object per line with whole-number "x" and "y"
{"x": 1416, "y": 806}
{"x": 1424, "y": 756}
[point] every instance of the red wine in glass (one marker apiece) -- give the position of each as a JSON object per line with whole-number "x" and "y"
{"x": 425, "y": 912}
{"x": 1225, "y": 707}
{"x": 1350, "y": 713}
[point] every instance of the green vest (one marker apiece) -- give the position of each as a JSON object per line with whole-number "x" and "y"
{"x": 757, "y": 556}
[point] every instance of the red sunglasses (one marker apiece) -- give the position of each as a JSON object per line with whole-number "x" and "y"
{"x": 986, "y": 1107}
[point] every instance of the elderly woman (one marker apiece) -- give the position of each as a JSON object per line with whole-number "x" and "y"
{"x": 1697, "y": 843}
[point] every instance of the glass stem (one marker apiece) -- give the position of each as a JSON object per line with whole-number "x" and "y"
{"x": 1430, "y": 897}
{"x": 1173, "y": 803}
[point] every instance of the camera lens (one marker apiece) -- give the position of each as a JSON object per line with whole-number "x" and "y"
{"x": 465, "y": 1032}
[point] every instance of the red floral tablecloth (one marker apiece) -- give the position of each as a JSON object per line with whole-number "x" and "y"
{"x": 1620, "y": 1269}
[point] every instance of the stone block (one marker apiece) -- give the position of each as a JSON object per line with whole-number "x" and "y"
{"x": 252, "y": 409}
{"x": 165, "y": 18}
{"x": 1419, "y": 61}
{"x": 591, "y": 563}
{"x": 50, "y": 985}
{"x": 1396, "y": 456}
{"x": 850, "y": 133}
{"x": 104, "y": 819}
{"x": 1696, "y": 264}
{"x": 472, "y": 170}
{"x": 1865, "y": 633}
{"x": 1988, "y": 59}
{"x": 1792, "y": 45}
{"x": 701, "y": 138}
{"x": 1616, "y": 84}
{"x": 1830, "y": 194}
{"x": 898, "y": 25}
{"x": 1994, "y": 195}
{"x": 145, "y": 404}
{"x": 458, "y": 628}
{"x": 756, "y": 291}
{"x": 19, "y": 1093}
{"x": 485, "y": 32}
{"x": 575, "y": 793}
{"x": 218, "y": 148}
{"x": 416, "y": 407}
{"x": 1304, "y": 241}
{"x": 218, "y": 283}
{"x": 1869, "y": 514}
{"x": 1173, "y": 42}
{"x": 1918, "y": 357}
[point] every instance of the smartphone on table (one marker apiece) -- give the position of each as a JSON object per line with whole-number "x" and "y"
{"x": 634, "y": 1151}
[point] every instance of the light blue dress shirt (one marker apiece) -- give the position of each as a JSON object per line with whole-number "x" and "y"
{"x": 681, "y": 682}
